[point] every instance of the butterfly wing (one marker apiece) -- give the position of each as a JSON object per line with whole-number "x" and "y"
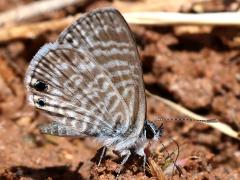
{"x": 106, "y": 35}
{"x": 71, "y": 87}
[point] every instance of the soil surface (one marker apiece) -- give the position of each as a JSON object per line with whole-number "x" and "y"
{"x": 195, "y": 66}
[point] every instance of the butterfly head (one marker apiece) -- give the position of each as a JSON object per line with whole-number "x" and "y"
{"x": 151, "y": 131}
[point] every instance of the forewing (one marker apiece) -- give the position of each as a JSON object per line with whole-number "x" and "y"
{"x": 106, "y": 35}
{"x": 76, "y": 93}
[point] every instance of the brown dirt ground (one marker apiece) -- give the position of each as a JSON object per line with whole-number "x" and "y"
{"x": 200, "y": 71}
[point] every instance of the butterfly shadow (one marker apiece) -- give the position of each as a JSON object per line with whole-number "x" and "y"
{"x": 54, "y": 172}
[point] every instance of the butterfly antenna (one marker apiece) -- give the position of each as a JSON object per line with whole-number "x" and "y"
{"x": 187, "y": 119}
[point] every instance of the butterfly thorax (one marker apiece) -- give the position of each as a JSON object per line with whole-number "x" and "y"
{"x": 150, "y": 132}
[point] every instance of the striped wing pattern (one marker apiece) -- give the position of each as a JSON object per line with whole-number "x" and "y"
{"x": 106, "y": 35}
{"x": 90, "y": 80}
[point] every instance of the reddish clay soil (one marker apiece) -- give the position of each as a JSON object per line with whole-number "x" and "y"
{"x": 200, "y": 71}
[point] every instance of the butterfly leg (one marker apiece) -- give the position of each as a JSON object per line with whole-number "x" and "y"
{"x": 127, "y": 154}
{"x": 102, "y": 155}
{"x": 144, "y": 163}
{"x": 141, "y": 153}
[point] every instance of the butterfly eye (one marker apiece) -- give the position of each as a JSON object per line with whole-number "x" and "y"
{"x": 40, "y": 86}
{"x": 41, "y": 102}
{"x": 149, "y": 132}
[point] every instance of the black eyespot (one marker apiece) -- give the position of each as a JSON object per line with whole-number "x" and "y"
{"x": 40, "y": 86}
{"x": 70, "y": 40}
{"x": 149, "y": 132}
{"x": 41, "y": 102}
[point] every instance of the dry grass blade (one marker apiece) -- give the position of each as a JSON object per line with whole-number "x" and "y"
{"x": 34, "y": 29}
{"x": 152, "y": 5}
{"x": 173, "y": 18}
{"x": 155, "y": 170}
{"x": 224, "y": 128}
{"x": 35, "y": 9}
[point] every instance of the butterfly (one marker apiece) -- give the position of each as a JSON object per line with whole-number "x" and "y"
{"x": 90, "y": 84}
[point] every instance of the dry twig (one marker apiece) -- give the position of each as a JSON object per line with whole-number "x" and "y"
{"x": 173, "y": 18}
{"x": 156, "y": 170}
{"x": 34, "y": 29}
{"x": 224, "y": 128}
{"x": 35, "y": 9}
{"x": 162, "y": 18}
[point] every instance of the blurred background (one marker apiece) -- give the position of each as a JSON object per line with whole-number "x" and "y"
{"x": 193, "y": 61}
